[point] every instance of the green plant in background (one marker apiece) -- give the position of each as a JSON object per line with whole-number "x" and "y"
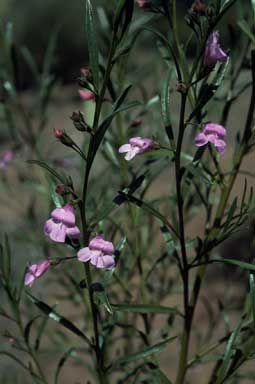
{"x": 117, "y": 248}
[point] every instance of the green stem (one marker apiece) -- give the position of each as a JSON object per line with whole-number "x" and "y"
{"x": 86, "y": 233}
{"x": 185, "y": 269}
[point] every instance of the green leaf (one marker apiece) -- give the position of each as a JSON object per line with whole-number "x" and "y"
{"x": 241, "y": 264}
{"x": 252, "y": 297}
{"x": 144, "y": 308}
{"x": 165, "y": 98}
{"x": 69, "y": 353}
{"x": 52, "y": 314}
{"x": 245, "y": 27}
{"x": 159, "y": 375}
{"x": 91, "y": 34}
{"x": 28, "y": 328}
{"x": 230, "y": 215}
{"x": 108, "y": 207}
{"x": 146, "y": 352}
{"x": 165, "y": 107}
{"x": 101, "y": 298}
{"x": 5, "y": 258}
{"x": 228, "y": 353}
{"x": 52, "y": 171}
{"x": 123, "y": 16}
{"x": 98, "y": 137}
{"x": 208, "y": 90}
{"x": 145, "y": 206}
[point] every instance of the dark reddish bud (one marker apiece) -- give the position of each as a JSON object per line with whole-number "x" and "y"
{"x": 76, "y": 116}
{"x": 136, "y": 122}
{"x": 61, "y": 189}
{"x": 198, "y": 8}
{"x": 86, "y": 72}
{"x": 79, "y": 122}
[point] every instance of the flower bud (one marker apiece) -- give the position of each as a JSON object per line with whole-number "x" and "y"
{"x": 136, "y": 122}
{"x": 86, "y": 77}
{"x": 87, "y": 74}
{"x": 58, "y": 133}
{"x": 61, "y": 189}
{"x": 79, "y": 122}
{"x": 86, "y": 95}
{"x": 63, "y": 137}
{"x": 144, "y": 4}
{"x": 198, "y": 8}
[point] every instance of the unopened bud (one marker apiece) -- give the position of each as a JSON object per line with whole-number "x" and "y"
{"x": 79, "y": 122}
{"x": 136, "y": 122}
{"x": 63, "y": 137}
{"x": 87, "y": 74}
{"x": 61, "y": 189}
{"x": 86, "y": 95}
{"x": 59, "y": 133}
{"x": 198, "y": 8}
{"x": 144, "y": 4}
{"x": 210, "y": 12}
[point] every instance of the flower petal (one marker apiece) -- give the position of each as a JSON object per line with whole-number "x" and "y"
{"x": 85, "y": 254}
{"x": 125, "y": 148}
{"x": 73, "y": 232}
{"x": 132, "y": 153}
{"x": 201, "y": 139}
{"x": 64, "y": 215}
{"x": 58, "y": 233}
{"x": 108, "y": 262}
{"x": 220, "y": 146}
{"x": 215, "y": 129}
{"x": 98, "y": 243}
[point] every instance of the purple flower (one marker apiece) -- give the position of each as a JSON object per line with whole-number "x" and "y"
{"x": 99, "y": 253}
{"x": 6, "y": 157}
{"x": 213, "y": 51}
{"x": 212, "y": 133}
{"x": 62, "y": 224}
{"x": 135, "y": 146}
{"x": 35, "y": 271}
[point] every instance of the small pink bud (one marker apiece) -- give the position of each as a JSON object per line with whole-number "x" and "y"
{"x": 35, "y": 271}
{"x": 86, "y": 95}
{"x": 59, "y": 133}
{"x": 144, "y": 4}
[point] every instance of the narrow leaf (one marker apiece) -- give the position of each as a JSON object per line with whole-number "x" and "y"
{"x": 91, "y": 34}
{"x": 52, "y": 314}
{"x": 144, "y": 308}
{"x": 146, "y": 352}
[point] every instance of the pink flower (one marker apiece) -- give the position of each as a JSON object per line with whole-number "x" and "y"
{"x": 213, "y": 51}
{"x": 136, "y": 146}
{"x": 7, "y": 156}
{"x": 62, "y": 224}
{"x": 99, "y": 253}
{"x": 212, "y": 133}
{"x": 35, "y": 271}
{"x": 86, "y": 95}
{"x": 144, "y": 4}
